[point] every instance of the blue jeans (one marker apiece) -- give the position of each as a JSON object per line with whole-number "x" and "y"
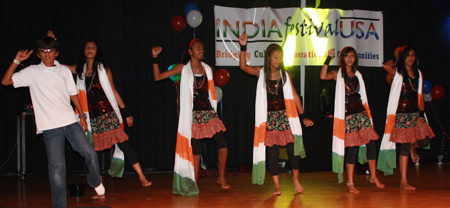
{"x": 54, "y": 140}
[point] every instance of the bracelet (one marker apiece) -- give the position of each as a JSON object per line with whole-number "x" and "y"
{"x": 16, "y": 61}
{"x": 125, "y": 112}
{"x": 301, "y": 116}
{"x": 327, "y": 61}
{"x": 243, "y": 47}
{"x": 155, "y": 60}
{"x": 422, "y": 114}
{"x": 82, "y": 115}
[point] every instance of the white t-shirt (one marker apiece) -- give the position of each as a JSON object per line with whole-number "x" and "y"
{"x": 50, "y": 89}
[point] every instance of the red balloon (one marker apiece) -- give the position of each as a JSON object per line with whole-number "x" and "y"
{"x": 437, "y": 92}
{"x": 221, "y": 77}
{"x": 178, "y": 23}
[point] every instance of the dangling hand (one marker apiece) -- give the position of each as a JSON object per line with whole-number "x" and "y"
{"x": 130, "y": 121}
{"x": 308, "y": 122}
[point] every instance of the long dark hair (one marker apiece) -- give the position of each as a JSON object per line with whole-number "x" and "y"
{"x": 345, "y": 51}
{"x": 97, "y": 60}
{"x": 186, "y": 56}
{"x": 401, "y": 67}
{"x": 270, "y": 49}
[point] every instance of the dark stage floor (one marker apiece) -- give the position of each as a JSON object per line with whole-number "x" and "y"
{"x": 321, "y": 190}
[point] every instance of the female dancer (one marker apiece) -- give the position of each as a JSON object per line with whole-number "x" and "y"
{"x": 198, "y": 118}
{"x": 352, "y": 118}
{"x": 406, "y": 120}
{"x": 276, "y": 116}
{"x": 101, "y": 103}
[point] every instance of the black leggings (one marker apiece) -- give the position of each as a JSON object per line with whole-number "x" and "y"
{"x": 351, "y": 152}
{"x": 219, "y": 138}
{"x": 273, "y": 152}
{"x": 127, "y": 151}
{"x": 405, "y": 148}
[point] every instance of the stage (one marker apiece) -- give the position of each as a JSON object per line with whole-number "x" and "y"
{"x": 321, "y": 190}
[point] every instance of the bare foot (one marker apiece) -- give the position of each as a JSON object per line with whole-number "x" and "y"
{"x": 413, "y": 153}
{"x": 351, "y": 188}
{"x": 376, "y": 182}
{"x": 95, "y": 197}
{"x": 298, "y": 187}
{"x": 223, "y": 183}
{"x": 407, "y": 187}
{"x": 277, "y": 191}
{"x": 145, "y": 182}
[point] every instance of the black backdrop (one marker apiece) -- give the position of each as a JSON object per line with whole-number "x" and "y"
{"x": 128, "y": 29}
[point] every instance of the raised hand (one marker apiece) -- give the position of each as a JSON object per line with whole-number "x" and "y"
{"x": 23, "y": 55}
{"x": 156, "y": 50}
{"x": 51, "y": 34}
{"x": 243, "y": 39}
{"x": 331, "y": 52}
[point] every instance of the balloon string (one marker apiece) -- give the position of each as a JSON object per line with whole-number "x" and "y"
{"x": 194, "y": 32}
{"x": 439, "y": 122}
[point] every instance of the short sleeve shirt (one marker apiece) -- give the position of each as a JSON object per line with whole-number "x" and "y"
{"x": 50, "y": 89}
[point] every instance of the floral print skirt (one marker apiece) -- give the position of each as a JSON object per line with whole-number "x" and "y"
{"x": 205, "y": 124}
{"x": 106, "y": 131}
{"x": 406, "y": 129}
{"x": 278, "y": 130}
{"x": 358, "y": 129}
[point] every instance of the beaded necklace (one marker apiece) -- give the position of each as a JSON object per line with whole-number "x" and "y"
{"x": 275, "y": 92}
{"x": 92, "y": 80}
{"x": 203, "y": 77}
{"x": 355, "y": 89}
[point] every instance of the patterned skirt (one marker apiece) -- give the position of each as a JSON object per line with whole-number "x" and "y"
{"x": 406, "y": 129}
{"x": 278, "y": 130}
{"x": 205, "y": 124}
{"x": 106, "y": 131}
{"x": 358, "y": 129}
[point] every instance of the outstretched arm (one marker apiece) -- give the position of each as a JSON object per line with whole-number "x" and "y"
{"x": 390, "y": 67}
{"x": 252, "y": 70}
{"x": 298, "y": 103}
{"x": 324, "y": 74}
{"x": 156, "y": 50}
{"x": 21, "y": 55}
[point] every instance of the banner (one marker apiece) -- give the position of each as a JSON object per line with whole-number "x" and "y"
{"x": 306, "y": 34}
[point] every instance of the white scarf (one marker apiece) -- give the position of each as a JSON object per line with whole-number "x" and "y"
{"x": 117, "y": 163}
{"x": 339, "y": 121}
{"x": 184, "y": 173}
{"x": 387, "y": 155}
{"x": 259, "y": 149}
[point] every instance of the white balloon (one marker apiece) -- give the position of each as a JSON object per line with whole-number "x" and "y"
{"x": 427, "y": 97}
{"x": 194, "y": 18}
{"x": 218, "y": 93}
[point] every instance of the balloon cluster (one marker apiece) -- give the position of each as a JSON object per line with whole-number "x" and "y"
{"x": 431, "y": 92}
{"x": 221, "y": 78}
{"x": 193, "y": 18}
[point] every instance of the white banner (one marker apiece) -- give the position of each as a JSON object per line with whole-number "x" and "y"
{"x": 305, "y": 34}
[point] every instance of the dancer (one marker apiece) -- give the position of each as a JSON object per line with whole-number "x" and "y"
{"x": 406, "y": 120}
{"x": 52, "y": 88}
{"x": 353, "y": 125}
{"x": 276, "y": 116}
{"x": 198, "y": 118}
{"x": 101, "y": 102}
